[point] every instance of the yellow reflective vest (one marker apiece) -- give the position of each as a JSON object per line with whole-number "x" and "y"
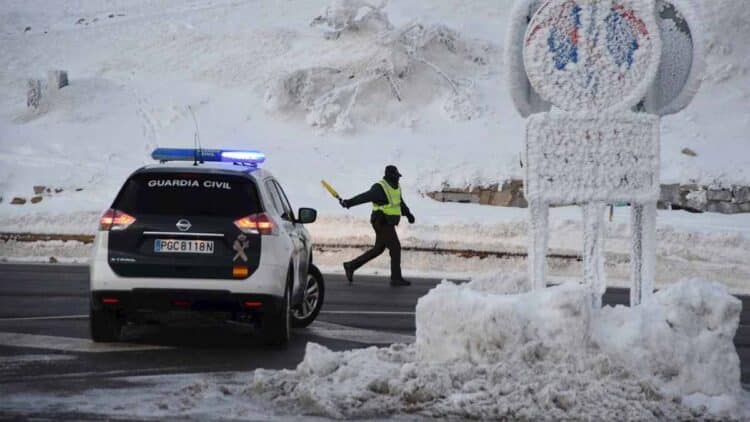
{"x": 393, "y": 207}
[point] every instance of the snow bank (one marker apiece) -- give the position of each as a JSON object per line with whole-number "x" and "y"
{"x": 385, "y": 382}
{"x": 481, "y": 353}
{"x": 459, "y": 323}
{"x": 682, "y": 337}
{"x": 72, "y": 251}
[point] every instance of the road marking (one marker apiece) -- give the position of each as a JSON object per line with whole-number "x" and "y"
{"x": 69, "y": 344}
{"x": 123, "y": 373}
{"x": 357, "y": 335}
{"x": 15, "y": 361}
{"x": 336, "y": 312}
{"x": 408, "y": 313}
{"x": 44, "y": 318}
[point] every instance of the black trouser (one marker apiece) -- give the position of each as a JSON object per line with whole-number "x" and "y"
{"x": 385, "y": 237}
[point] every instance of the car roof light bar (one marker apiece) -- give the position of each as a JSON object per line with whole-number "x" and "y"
{"x": 240, "y": 156}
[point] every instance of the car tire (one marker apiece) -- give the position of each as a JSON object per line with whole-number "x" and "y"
{"x": 105, "y": 326}
{"x": 277, "y": 326}
{"x": 312, "y": 300}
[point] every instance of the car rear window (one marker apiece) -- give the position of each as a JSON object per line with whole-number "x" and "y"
{"x": 188, "y": 194}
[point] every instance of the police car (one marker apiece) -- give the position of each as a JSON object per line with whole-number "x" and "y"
{"x": 204, "y": 233}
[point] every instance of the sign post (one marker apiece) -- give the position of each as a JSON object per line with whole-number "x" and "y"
{"x": 591, "y": 77}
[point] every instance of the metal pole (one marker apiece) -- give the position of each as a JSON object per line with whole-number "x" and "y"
{"x": 594, "y": 275}
{"x": 539, "y": 236}
{"x": 643, "y": 252}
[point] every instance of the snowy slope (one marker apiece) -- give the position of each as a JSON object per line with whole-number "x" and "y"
{"x": 133, "y": 75}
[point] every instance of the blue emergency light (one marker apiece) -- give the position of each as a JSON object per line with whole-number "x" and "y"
{"x": 240, "y": 156}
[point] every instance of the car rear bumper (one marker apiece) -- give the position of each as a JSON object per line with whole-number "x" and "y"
{"x": 143, "y": 302}
{"x": 269, "y": 279}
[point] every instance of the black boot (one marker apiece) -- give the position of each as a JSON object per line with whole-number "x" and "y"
{"x": 349, "y": 270}
{"x": 398, "y": 282}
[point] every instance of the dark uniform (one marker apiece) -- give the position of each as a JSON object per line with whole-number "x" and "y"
{"x": 388, "y": 207}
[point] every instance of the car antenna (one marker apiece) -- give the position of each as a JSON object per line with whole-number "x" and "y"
{"x": 197, "y": 140}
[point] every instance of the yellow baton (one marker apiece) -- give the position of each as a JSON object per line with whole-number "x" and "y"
{"x": 330, "y": 189}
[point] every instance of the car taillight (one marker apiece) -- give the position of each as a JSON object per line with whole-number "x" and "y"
{"x": 115, "y": 220}
{"x": 256, "y": 224}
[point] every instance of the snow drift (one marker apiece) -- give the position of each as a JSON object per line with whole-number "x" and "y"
{"x": 481, "y": 353}
{"x": 414, "y": 63}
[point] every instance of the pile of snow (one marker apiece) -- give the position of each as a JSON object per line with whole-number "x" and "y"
{"x": 385, "y": 65}
{"x": 682, "y": 338}
{"x": 456, "y": 322}
{"x": 481, "y": 353}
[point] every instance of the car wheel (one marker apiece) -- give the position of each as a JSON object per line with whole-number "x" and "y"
{"x": 312, "y": 300}
{"x": 277, "y": 326}
{"x": 105, "y": 326}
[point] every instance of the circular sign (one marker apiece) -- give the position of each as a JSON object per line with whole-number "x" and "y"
{"x": 681, "y": 66}
{"x": 525, "y": 98}
{"x": 593, "y": 54}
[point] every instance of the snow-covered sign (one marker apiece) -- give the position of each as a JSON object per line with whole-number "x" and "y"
{"x": 595, "y": 60}
{"x": 593, "y": 54}
{"x": 525, "y": 98}
{"x": 592, "y": 158}
{"x": 681, "y": 65}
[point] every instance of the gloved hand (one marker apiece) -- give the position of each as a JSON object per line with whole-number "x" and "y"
{"x": 344, "y": 203}
{"x": 411, "y": 218}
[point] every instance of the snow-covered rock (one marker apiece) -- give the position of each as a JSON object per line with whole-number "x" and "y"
{"x": 352, "y": 15}
{"x": 57, "y": 79}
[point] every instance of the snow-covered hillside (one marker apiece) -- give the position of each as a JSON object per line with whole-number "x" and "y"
{"x": 136, "y": 66}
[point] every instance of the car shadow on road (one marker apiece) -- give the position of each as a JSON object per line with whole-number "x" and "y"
{"x": 218, "y": 336}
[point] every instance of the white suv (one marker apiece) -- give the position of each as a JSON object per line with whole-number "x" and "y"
{"x": 216, "y": 237}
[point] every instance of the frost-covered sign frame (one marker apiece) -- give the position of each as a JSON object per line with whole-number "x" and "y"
{"x": 580, "y": 68}
{"x": 594, "y": 160}
{"x": 576, "y": 159}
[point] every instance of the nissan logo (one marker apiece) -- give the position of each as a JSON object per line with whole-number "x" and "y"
{"x": 183, "y": 225}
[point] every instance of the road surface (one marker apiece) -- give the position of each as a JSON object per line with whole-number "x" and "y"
{"x": 44, "y": 342}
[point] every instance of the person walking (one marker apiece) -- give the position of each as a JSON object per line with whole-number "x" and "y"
{"x": 387, "y": 208}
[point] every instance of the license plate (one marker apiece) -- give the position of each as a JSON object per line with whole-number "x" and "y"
{"x": 184, "y": 246}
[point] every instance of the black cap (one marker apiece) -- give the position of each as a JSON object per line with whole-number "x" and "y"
{"x": 392, "y": 171}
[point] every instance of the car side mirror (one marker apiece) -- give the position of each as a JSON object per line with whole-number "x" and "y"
{"x": 307, "y": 215}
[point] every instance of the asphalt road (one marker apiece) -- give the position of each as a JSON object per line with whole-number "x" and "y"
{"x": 43, "y": 312}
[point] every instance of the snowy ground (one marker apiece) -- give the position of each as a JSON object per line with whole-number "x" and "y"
{"x": 136, "y": 65}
